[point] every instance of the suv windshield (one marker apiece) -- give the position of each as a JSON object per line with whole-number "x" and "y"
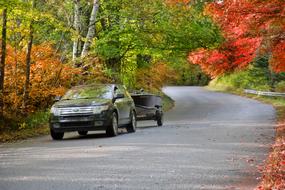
{"x": 89, "y": 92}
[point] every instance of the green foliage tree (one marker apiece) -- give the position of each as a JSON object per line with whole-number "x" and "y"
{"x": 150, "y": 28}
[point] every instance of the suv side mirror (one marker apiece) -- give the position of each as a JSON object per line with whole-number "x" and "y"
{"x": 157, "y": 106}
{"x": 119, "y": 96}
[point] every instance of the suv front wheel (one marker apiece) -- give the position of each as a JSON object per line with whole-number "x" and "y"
{"x": 56, "y": 135}
{"x": 112, "y": 130}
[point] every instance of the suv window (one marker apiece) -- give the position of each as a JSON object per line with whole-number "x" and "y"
{"x": 120, "y": 89}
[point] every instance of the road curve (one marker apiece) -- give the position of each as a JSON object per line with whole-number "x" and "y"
{"x": 210, "y": 141}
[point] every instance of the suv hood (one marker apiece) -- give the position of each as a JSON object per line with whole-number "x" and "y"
{"x": 81, "y": 102}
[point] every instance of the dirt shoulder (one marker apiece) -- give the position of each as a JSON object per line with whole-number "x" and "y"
{"x": 274, "y": 169}
{"x": 13, "y": 135}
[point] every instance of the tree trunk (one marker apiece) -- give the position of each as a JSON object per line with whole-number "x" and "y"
{"x": 2, "y": 63}
{"x": 91, "y": 28}
{"x": 77, "y": 27}
{"x": 28, "y": 65}
{"x": 28, "y": 61}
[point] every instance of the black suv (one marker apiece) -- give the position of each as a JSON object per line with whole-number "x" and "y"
{"x": 91, "y": 108}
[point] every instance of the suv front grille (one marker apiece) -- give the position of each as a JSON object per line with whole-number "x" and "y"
{"x": 75, "y": 110}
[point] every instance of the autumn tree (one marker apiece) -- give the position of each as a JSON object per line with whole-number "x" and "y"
{"x": 250, "y": 29}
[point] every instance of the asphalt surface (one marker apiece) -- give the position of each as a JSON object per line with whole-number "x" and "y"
{"x": 209, "y": 141}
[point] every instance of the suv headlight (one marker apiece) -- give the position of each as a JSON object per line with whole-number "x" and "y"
{"x": 99, "y": 109}
{"x": 55, "y": 111}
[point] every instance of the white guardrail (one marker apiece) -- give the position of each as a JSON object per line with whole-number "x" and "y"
{"x": 262, "y": 93}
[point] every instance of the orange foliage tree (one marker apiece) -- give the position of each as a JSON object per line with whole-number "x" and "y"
{"x": 49, "y": 77}
{"x": 152, "y": 78}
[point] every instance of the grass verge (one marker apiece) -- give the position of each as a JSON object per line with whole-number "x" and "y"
{"x": 273, "y": 172}
{"x": 34, "y": 125}
{"x": 167, "y": 102}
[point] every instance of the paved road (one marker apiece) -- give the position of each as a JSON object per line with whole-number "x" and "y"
{"x": 210, "y": 141}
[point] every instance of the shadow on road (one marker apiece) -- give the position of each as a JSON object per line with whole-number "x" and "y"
{"x": 147, "y": 126}
{"x": 75, "y": 136}
{"x": 91, "y": 136}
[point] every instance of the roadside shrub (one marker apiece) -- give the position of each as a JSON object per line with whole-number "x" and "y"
{"x": 34, "y": 120}
{"x": 190, "y": 75}
{"x": 256, "y": 76}
{"x": 252, "y": 78}
{"x": 152, "y": 78}
{"x": 280, "y": 87}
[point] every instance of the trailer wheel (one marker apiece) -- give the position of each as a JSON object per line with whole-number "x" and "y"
{"x": 159, "y": 118}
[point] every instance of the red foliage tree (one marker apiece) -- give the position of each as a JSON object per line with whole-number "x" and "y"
{"x": 278, "y": 57}
{"x": 249, "y": 28}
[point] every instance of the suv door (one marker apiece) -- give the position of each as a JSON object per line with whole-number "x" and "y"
{"x": 130, "y": 105}
{"x": 125, "y": 105}
{"x": 120, "y": 104}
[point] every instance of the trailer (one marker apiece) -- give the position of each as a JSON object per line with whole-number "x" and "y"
{"x": 148, "y": 107}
